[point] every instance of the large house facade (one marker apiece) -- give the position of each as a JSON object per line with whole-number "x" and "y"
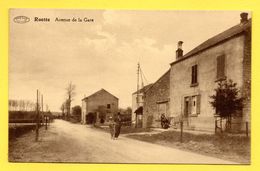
{"x": 102, "y": 104}
{"x": 194, "y": 76}
{"x": 184, "y": 91}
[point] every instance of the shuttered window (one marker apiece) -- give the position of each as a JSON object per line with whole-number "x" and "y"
{"x": 221, "y": 67}
{"x": 192, "y": 105}
{"x": 194, "y": 74}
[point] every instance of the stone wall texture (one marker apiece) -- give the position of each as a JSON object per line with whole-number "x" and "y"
{"x": 247, "y": 77}
{"x": 158, "y": 93}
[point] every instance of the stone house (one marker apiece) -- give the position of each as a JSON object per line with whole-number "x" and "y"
{"x": 194, "y": 76}
{"x": 157, "y": 99}
{"x": 102, "y": 104}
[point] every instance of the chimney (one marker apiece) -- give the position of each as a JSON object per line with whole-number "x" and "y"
{"x": 179, "y": 51}
{"x": 244, "y": 18}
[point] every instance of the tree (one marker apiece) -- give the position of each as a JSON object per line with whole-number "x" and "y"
{"x": 21, "y": 105}
{"x": 62, "y": 108}
{"x": 226, "y": 101}
{"x": 91, "y": 118}
{"x": 70, "y": 93}
{"x": 76, "y": 112}
{"x": 129, "y": 110}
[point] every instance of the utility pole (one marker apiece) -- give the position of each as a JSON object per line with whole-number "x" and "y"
{"x": 45, "y": 117}
{"x": 137, "y": 92}
{"x": 42, "y": 103}
{"x": 37, "y": 117}
{"x": 42, "y": 107}
{"x": 181, "y": 135}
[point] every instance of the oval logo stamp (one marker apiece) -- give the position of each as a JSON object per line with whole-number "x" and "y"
{"x": 21, "y": 19}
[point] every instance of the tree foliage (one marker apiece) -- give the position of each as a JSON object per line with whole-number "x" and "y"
{"x": 76, "y": 110}
{"x": 226, "y": 100}
{"x": 91, "y": 118}
{"x": 76, "y": 113}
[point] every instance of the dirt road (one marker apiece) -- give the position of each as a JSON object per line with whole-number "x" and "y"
{"x": 66, "y": 142}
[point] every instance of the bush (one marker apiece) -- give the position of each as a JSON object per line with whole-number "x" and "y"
{"x": 91, "y": 118}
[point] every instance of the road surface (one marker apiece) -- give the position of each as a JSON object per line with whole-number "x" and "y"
{"x": 67, "y": 142}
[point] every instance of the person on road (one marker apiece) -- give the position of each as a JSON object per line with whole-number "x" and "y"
{"x": 118, "y": 125}
{"x": 112, "y": 127}
{"x": 164, "y": 122}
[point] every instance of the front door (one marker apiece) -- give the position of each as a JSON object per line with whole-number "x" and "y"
{"x": 139, "y": 120}
{"x": 186, "y": 107}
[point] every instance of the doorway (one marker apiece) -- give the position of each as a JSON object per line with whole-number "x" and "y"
{"x": 186, "y": 107}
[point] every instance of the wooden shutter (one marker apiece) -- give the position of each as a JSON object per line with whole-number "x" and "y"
{"x": 218, "y": 67}
{"x": 192, "y": 73}
{"x": 195, "y": 73}
{"x": 190, "y": 105}
{"x": 221, "y": 66}
{"x": 198, "y": 104}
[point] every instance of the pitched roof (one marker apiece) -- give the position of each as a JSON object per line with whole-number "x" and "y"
{"x": 144, "y": 88}
{"x": 226, "y": 35}
{"x": 167, "y": 72}
{"x": 99, "y": 92}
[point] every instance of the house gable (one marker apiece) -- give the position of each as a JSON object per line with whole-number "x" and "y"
{"x": 98, "y": 93}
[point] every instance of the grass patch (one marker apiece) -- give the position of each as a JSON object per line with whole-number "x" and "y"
{"x": 224, "y": 146}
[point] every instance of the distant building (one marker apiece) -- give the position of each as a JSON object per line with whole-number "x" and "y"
{"x": 194, "y": 76}
{"x": 102, "y": 104}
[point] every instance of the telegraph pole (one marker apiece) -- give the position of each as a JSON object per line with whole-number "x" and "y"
{"x": 45, "y": 119}
{"x": 42, "y": 103}
{"x": 37, "y": 117}
{"x": 138, "y": 70}
{"x": 137, "y": 94}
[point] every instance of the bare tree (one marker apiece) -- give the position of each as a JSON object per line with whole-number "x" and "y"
{"x": 62, "y": 108}
{"x": 21, "y": 105}
{"x": 32, "y": 106}
{"x": 70, "y": 93}
{"x": 47, "y": 107}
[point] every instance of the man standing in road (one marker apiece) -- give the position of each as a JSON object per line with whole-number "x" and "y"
{"x": 118, "y": 125}
{"x": 112, "y": 127}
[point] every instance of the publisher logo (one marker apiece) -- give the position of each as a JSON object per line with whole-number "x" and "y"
{"x": 21, "y": 19}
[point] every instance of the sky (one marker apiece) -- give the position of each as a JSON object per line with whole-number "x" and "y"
{"x": 103, "y": 53}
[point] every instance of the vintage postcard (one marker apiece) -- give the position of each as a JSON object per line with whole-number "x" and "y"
{"x": 129, "y": 86}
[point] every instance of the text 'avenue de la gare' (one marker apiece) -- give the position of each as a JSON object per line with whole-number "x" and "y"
{"x": 57, "y": 19}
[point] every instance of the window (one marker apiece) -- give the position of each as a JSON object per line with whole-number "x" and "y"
{"x": 194, "y": 75}
{"x": 108, "y": 106}
{"x": 221, "y": 67}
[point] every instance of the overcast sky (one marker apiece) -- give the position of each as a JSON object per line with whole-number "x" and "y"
{"x": 103, "y": 53}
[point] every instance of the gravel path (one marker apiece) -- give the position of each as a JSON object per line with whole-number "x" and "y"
{"x": 66, "y": 142}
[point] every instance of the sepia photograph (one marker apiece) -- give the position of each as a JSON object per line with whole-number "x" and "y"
{"x": 129, "y": 86}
